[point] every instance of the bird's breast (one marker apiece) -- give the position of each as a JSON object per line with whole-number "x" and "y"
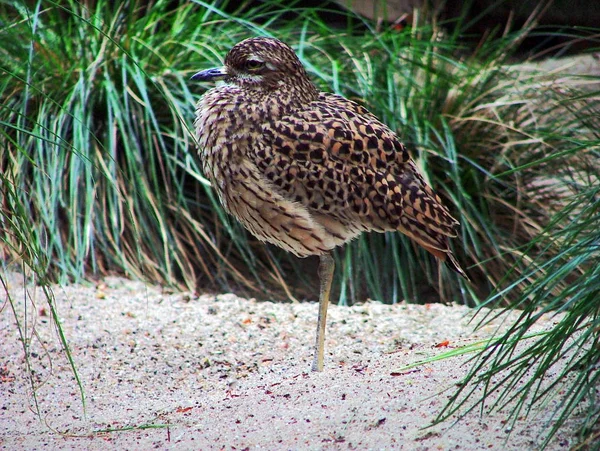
{"x": 227, "y": 128}
{"x": 223, "y": 134}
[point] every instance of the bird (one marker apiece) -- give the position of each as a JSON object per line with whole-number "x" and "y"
{"x": 308, "y": 170}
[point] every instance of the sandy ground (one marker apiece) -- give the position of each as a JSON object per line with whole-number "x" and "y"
{"x": 174, "y": 371}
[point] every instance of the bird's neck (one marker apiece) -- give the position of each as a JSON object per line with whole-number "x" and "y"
{"x": 282, "y": 99}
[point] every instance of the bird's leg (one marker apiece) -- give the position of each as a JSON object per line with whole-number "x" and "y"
{"x": 326, "y": 268}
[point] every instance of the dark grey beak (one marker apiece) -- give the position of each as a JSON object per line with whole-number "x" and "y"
{"x": 216, "y": 73}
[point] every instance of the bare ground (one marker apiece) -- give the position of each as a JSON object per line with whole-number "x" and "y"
{"x": 174, "y": 371}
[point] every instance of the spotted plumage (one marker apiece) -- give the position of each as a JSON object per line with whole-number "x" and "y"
{"x": 308, "y": 170}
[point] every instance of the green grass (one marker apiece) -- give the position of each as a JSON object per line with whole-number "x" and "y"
{"x": 99, "y": 172}
{"x": 88, "y": 107}
{"x": 562, "y": 363}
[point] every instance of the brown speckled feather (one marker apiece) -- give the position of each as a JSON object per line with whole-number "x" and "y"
{"x": 307, "y": 170}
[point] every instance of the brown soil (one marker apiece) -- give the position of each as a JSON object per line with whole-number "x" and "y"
{"x": 171, "y": 371}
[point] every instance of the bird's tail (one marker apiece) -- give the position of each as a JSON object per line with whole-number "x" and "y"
{"x": 453, "y": 264}
{"x": 447, "y": 257}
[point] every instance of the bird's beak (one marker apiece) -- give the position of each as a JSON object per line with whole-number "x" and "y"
{"x": 216, "y": 73}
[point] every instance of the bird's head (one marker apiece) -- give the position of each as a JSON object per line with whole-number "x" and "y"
{"x": 261, "y": 63}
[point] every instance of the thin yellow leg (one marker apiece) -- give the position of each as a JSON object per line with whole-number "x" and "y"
{"x": 326, "y": 268}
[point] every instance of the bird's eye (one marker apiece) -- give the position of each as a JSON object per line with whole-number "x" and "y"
{"x": 253, "y": 65}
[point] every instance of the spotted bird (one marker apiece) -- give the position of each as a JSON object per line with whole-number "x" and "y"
{"x": 308, "y": 170}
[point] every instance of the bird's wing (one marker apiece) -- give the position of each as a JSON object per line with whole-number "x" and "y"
{"x": 337, "y": 159}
